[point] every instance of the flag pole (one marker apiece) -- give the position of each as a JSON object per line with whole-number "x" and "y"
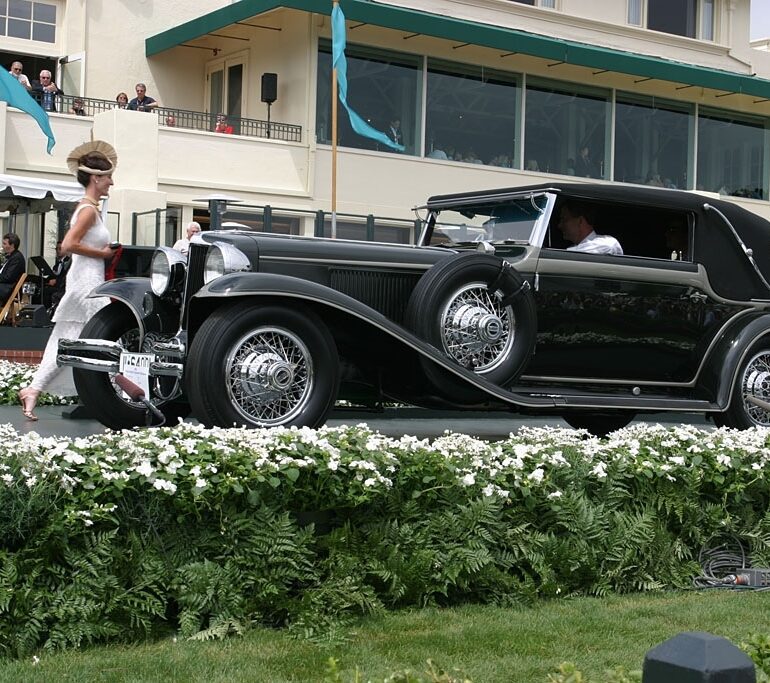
{"x": 335, "y": 3}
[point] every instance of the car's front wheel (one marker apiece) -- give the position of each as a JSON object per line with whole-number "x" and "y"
{"x": 262, "y": 366}
{"x": 750, "y": 402}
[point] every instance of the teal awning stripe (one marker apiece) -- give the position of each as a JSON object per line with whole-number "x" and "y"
{"x": 497, "y": 37}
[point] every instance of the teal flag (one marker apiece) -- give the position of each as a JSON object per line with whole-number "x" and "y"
{"x": 340, "y": 63}
{"x": 15, "y": 94}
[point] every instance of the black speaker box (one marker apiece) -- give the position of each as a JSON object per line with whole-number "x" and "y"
{"x": 33, "y": 316}
{"x": 269, "y": 87}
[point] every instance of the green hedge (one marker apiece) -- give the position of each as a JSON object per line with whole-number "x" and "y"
{"x": 123, "y": 536}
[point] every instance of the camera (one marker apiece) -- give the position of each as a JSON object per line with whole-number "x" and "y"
{"x": 113, "y": 245}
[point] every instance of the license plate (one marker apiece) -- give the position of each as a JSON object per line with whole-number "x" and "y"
{"x": 136, "y": 367}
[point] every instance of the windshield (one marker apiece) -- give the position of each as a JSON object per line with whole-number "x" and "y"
{"x": 511, "y": 221}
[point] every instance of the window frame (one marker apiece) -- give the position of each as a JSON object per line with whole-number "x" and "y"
{"x": 637, "y": 14}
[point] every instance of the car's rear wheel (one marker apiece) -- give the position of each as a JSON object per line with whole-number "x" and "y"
{"x": 599, "y": 423}
{"x": 262, "y": 366}
{"x": 750, "y": 391}
{"x": 479, "y": 312}
{"x": 97, "y": 390}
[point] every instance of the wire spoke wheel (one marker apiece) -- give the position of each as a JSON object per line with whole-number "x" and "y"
{"x": 756, "y": 383}
{"x": 476, "y": 329}
{"x": 262, "y": 366}
{"x": 269, "y": 375}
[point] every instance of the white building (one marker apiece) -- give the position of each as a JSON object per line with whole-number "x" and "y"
{"x": 490, "y": 93}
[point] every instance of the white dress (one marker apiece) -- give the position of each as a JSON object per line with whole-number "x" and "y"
{"x": 74, "y": 310}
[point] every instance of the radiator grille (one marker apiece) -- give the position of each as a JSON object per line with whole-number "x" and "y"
{"x": 196, "y": 259}
{"x": 385, "y": 291}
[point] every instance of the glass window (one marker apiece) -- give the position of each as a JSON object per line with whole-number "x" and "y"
{"x": 635, "y": 12}
{"x": 384, "y": 88}
{"x": 731, "y": 154}
{"x": 707, "y": 20}
{"x": 566, "y": 130}
{"x": 525, "y": 2}
{"x": 652, "y": 141}
{"x": 672, "y": 16}
{"x": 471, "y": 114}
{"x": 28, "y": 20}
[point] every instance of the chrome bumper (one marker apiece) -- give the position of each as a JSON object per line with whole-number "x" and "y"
{"x": 71, "y": 354}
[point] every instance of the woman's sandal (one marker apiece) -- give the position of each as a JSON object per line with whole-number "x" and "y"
{"x": 24, "y": 398}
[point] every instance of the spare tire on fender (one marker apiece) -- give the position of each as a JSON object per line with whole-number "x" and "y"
{"x": 480, "y": 312}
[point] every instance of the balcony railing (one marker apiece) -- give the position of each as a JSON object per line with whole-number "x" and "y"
{"x": 186, "y": 118}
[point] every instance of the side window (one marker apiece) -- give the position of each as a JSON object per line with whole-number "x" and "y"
{"x": 646, "y": 232}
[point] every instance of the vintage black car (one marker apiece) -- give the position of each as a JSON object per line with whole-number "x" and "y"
{"x": 489, "y": 310}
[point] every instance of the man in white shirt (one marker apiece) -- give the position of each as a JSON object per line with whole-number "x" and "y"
{"x": 16, "y": 72}
{"x": 576, "y": 224}
{"x": 183, "y": 244}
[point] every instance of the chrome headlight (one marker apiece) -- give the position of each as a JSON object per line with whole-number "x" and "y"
{"x": 167, "y": 270}
{"x": 223, "y": 259}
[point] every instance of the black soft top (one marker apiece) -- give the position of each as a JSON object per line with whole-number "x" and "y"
{"x": 728, "y": 268}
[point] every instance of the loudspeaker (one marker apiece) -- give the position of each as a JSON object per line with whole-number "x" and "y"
{"x": 33, "y": 316}
{"x": 269, "y": 88}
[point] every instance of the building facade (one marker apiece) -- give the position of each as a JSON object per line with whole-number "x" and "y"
{"x": 491, "y": 93}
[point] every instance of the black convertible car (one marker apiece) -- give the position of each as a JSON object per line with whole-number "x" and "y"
{"x": 490, "y": 310}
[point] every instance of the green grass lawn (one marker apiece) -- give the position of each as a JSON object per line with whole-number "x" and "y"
{"x": 489, "y": 644}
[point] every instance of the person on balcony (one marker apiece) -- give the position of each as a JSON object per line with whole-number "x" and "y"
{"x": 45, "y": 91}
{"x": 122, "y": 100}
{"x": 16, "y": 71}
{"x": 222, "y": 126}
{"x": 77, "y": 107}
{"x": 13, "y": 267}
{"x": 142, "y": 101}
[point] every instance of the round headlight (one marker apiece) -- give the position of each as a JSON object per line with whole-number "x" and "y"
{"x": 223, "y": 259}
{"x": 166, "y": 271}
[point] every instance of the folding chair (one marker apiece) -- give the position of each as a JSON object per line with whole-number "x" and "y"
{"x": 13, "y": 305}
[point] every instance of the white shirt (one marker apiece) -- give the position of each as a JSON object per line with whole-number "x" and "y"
{"x": 22, "y": 79}
{"x": 182, "y": 245}
{"x": 598, "y": 244}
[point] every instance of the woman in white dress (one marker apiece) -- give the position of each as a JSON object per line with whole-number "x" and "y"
{"x": 86, "y": 240}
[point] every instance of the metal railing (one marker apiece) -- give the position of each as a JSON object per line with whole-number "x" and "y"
{"x": 185, "y": 118}
{"x": 165, "y": 226}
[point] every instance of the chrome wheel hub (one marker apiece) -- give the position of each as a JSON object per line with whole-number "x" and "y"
{"x": 269, "y": 376}
{"x": 476, "y": 329}
{"x": 756, "y": 383}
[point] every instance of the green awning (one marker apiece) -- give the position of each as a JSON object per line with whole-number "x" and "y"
{"x": 469, "y": 32}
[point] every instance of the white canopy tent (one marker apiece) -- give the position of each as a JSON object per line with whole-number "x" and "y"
{"x": 26, "y": 200}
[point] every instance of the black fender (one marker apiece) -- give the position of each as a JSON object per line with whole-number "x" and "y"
{"x": 152, "y": 313}
{"x": 727, "y": 355}
{"x": 291, "y": 289}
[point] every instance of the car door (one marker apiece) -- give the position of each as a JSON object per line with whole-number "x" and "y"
{"x": 622, "y": 318}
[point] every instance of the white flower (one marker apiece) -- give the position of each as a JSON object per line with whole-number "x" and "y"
{"x": 35, "y": 660}
{"x": 468, "y": 480}
{"x": 555, "y": 494}
{"x": 145, "y": 469}
{"x": 536, "y": 475}
{"x": 600, "y": 470}
{"x": 200, "y": 483}
{"x": 164, "y": 485}
{"x": 370, "y": 482}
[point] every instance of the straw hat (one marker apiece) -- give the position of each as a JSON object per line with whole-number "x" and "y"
{"x": 98, "y": 147}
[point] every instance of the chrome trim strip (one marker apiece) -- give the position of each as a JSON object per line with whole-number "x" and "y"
{"x": 318, "y": 260}
{"x": 99, "y": 345}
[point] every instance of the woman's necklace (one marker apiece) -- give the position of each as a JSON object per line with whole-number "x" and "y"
{"x": 90, "y": 201}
